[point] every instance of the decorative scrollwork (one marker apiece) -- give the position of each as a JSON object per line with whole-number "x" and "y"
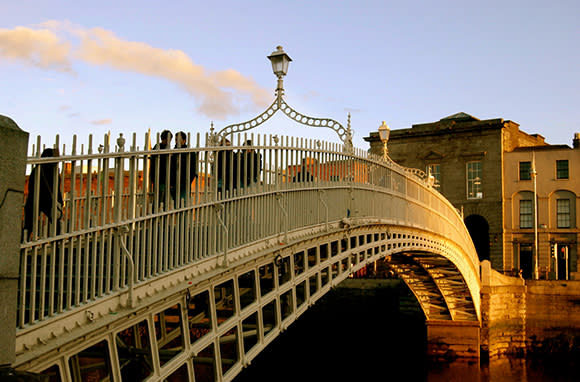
{"x": 239, "y": 127}
{"x": 418, "y": 173}
{"x": 345, "y": 134}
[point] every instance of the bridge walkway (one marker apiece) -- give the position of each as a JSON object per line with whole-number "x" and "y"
{"x": 200, "y": 288}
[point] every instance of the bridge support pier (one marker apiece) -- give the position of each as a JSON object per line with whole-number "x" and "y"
{"x": 13, "y": 149}
{"x": 453, "y": 339}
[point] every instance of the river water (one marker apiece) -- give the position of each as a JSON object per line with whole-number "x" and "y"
{"x": 379, "y": 334}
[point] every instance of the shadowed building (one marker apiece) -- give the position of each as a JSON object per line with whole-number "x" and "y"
{"x": 466, "y": 156}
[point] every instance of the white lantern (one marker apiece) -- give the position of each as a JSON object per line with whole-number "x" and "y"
{"x": 280, "y": 61}
{"x": 384, "y": 132}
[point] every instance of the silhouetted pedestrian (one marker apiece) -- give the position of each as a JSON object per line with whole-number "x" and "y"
{"x": 226, "y": 163}
{"x": 303, "y": 175}
{"x": 159, "y": 165}
{"x": 48, "y": 192}
{"x": 179, "y": 164}
{"x": 251, "y": 165}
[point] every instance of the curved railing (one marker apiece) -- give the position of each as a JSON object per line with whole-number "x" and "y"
{"x": 125, "y": 220}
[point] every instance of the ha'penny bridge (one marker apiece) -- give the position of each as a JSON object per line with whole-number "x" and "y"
{"x": 141, "y": 277}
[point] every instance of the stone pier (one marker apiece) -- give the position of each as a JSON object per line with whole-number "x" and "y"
{"x": 13, "y": 148}
{"x": 520, "y": 316}
{"x": 448, "y": 340}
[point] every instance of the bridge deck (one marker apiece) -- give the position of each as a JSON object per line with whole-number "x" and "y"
{"x": 125, "y": 259}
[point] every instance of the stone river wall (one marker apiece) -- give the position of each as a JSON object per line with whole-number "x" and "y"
{"x": 522, "y": 316}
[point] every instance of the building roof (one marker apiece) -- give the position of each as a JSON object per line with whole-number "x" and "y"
{"x": 543, "y": 148}
{"x": 460, "y": 116}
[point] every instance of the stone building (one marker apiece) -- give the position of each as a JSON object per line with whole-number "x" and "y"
{"x": 558, "y": 197}
{"x": 467, "y": 157}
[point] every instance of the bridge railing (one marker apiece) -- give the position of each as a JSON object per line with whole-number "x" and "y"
{"x": 127, "y": 216}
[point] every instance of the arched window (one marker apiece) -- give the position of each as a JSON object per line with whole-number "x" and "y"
{"x": 479, "y": 231}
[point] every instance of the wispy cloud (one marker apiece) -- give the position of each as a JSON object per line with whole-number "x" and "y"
{"x": 37, "y": 47}
{"x": 100, "y": 122}
{"x": 50, "y": 46}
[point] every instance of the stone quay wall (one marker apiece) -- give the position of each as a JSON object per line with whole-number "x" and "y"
{"x": 521, "y": 316}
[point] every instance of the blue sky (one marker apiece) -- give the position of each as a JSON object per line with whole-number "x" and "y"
{"x": 90, "y": 67}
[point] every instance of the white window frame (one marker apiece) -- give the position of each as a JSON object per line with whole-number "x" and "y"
{"x": 563, "y": 216}
{"x": 436, "y": 174}
{"x": 471, "y": 181}
{"x": 529, "y": 216}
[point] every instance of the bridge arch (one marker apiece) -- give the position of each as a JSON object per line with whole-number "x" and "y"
{"x": 219, "y": 324}
{"x": 214, "y": 280}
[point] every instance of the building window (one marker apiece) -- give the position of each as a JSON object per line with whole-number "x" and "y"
{"x": 562, "y": 169}
{"x": 435, "y": 170}
{"x": 474, "y": 186}
{"x": 525, "y": 170}
{"x": 526, "y": 214}
{"x": 563, "y": 213}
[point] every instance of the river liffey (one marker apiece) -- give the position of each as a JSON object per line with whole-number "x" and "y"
{"x": 379, "y": 334}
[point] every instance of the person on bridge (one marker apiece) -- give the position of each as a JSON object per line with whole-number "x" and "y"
{"x": 226, "y": 164}
{"x": 46, "y": 193}
{"x": 159, "y": 165}
{"x": 302, "y": 174}
{"x": 179, "y": 170}
{"x": 251, "y": 165}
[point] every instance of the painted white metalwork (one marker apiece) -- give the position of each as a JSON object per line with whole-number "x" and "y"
{"x": 280, "y": 59}
{"x": 345, "y": 134}
{"x": 128, "y": 246}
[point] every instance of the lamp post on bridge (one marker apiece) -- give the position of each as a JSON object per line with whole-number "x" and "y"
{"x": 280, "y": 62}
{"x": 384, "y": 133}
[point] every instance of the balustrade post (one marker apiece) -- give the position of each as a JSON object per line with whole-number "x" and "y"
{"x": 13, "y": 149}
{"x": 117, "y": 199}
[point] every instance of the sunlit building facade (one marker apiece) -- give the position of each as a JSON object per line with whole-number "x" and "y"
{"x": 557, "y": 189}
{"x": 467, "y": 157}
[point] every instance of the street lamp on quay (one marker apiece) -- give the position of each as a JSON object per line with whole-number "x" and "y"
{"x": 384, "y": 133}
{"x": 534, "y": 175}
{"x": 280, "y": 62}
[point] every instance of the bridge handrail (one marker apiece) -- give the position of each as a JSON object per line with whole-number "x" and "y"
{"x": 66, "y": 265}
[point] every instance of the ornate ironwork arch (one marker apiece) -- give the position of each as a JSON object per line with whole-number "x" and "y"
{"x": 345, "y": 134}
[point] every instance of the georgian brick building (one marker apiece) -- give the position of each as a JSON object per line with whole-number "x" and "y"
{"x": 467, "y": 157}
{"x": 558, "y": 197}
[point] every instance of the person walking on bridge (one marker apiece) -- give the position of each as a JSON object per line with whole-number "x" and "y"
{"x": 180, "y": 177}
{"x": 226, "y": 164}
{"x": 159, "y": 166}
{"x": 44, "y": 198}
{"x": 251, "y": 165}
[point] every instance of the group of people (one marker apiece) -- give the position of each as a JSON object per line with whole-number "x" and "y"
{"x": 179, "y": 178}
{"x": 237, "y": 169}
{"x": 233, "y": 170}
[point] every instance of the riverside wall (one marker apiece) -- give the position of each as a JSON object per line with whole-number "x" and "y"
{"x": 522, "y": 316}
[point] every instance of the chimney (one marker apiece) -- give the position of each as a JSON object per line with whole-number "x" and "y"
{"x": 576, "y": 141}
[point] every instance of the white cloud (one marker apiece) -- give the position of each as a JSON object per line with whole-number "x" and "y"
{"x": 218, "y": 92}
{"x": 36, "y": 47}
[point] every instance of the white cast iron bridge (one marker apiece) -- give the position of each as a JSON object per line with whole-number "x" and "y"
{"x": 131, "y": 284}
{"x": 183, "y": 264}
